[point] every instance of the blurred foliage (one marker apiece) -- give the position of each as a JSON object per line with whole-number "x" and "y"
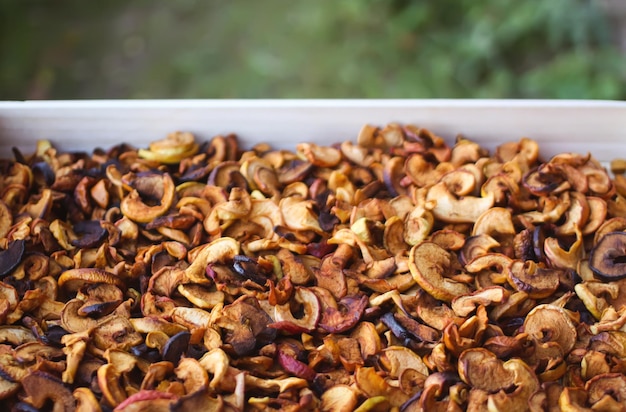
{"x": 68, "y": 49}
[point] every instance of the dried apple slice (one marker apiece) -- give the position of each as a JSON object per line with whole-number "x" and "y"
{"x": 550, "y": 323}
{"x": 156, "y": 401}
{"x": 607, "y": 391}
{"x": 339, "y": 398}
{"x": 507, "y": 385}
{"x": 311, "y": 308}
{"x": 450, "y": 208}
{"x": 171, "y": 150}
{"x": 430, "y": 264}
{"x": 40, "y": 387}
{"x": 398, "y": 358}
{"x": 133, "y": 207}
{"x": 86, "y": 400}
{"x": 538, "y": 282}
{"x": 74, "y": 279}
{"x": 319, "y": 155}
{"x": 608, "y": 256}
{"x": 466, "y": 304}
{"x": 374, "y": 385}
{"x": 459, "y": 182}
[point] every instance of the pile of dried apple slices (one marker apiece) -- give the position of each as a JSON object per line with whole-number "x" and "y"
{"x": 397, "y": 272}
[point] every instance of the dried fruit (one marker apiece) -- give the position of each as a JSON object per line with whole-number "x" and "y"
{"x": 397, "y": 272}
{"x": 608, "y": 257}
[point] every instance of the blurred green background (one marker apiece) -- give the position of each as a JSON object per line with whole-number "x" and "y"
{"x": 71, "y": 49}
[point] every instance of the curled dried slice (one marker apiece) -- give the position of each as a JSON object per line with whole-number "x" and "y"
{"x": 9, "y": 295}
{"x": 597, "y": 215}
{"x": 356, "y": 153}
{"x": 430, "y": 266}
{"x": 497, "y": 385}
{"x": 157, "y": 401}
{"x": 393, "y": 173}
{"x": 466, "y": 304}
{"x": 607, "y": 391}
{"x": 216, "y": 362}
{"x": 608, "y": 256}
{"x": 340, "y": 398}
{"x": 72, "y": 321}
{"x": 476, "y": 246}
{"x": 550, "y": 323}
{"x": 437, "y": 393}
{"x": 149, "y": 324}
{"x": 311, "y": 309}
{"x": 195, "y": 378}
{"x": 417, "y": 225}
{"x": 115, "y": 333}
{"x": 220, "y": 250}
{"x": 108, "y": 380}
{"x": 133, "y": 207}
{"x": 346, "y": 316}
{"x": 459, "y": 182}
{"x": 260, "y": 175}
{"x": 495, "y": 222}
{"x": 99, "y": 299}
{"x": 15, "y": 335}
{"x": 562, "y": 257}
{"x": 299, "y": 214}
{"x": 319, "y": 155}
{"x": 201, "y": 296}
{"x": 294, "y": 366}
{"x": 536, "y": 281}
{"x": 42, "y": 387}
{"x": 399, "y": 358}
{"x": 490, "y": 269}
{"x": 246, "y": 325}
{"x": 86, "y": 400}
{"x": 373, "y": 385}
{"x": 174, "y": 148}
{"x": 74, "y": 279}
{"x": 450, "y": 208}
